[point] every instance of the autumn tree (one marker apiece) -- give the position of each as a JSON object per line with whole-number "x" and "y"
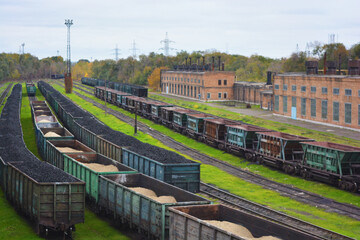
{"x": 154, "y": 78}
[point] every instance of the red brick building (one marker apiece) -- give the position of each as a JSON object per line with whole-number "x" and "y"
{"x": 332, "y": 99}
{"x": 202, "y": 85}
{"x": 259, "y": 93}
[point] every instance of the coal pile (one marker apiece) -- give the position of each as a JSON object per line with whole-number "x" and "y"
{"x": 13, "y": 148}
{"x": 92, "y": 124}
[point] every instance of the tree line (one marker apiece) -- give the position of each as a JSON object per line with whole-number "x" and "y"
{"x": 141, "y": 70}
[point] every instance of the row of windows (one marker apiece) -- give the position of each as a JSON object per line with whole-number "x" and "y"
{"x": 183, "y": 79}
{"x": 219, "y": 95}
{"x": 324, "y": 108}
{"x": 324, "y": 90}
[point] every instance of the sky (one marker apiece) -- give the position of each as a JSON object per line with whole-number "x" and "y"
{"x": 272, "y": 28}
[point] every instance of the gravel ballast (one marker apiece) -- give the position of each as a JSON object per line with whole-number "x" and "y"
{"x": 88, "y": 121}
{"x": 13, "y": 148}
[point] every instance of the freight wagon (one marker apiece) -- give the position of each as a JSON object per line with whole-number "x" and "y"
{"x": 220, "y": 222}
{"x": 195, "y": 125}
{"x": 333, "y": 163}
{"x": 30, "y": 88}
{"x": 180, "y": 117}
{"x": 149, "y": 214}
{"x": 281, "y": 150}
{"x": 215, "y": 131}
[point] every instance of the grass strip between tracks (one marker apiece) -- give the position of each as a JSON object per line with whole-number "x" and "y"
{"x": 316, "y": 187}
{"x": 14, "y": 226}
{"x": 211, "y": 174}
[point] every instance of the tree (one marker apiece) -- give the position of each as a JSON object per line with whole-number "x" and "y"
{"x": 154, "y": 78}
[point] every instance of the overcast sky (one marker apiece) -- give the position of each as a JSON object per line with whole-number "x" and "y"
{"x": 270, "y": 28}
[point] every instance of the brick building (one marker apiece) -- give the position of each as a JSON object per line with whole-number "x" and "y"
{"x": 259, "y": 93}
{"x": 200, "y": 84}
{"x": 333, "y": 99}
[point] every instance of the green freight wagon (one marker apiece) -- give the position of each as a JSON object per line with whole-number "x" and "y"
{"x": 51, "y": 205}
{"x": 241, "y": 139}
{"x": 146, "y": 213}
{"x": 180, "y": 117}
{"x": 74, "y": 165}
{"x": 183, "y": 175}
{"x": 333, "y": 163}
{"x": 195, "y": 124}
{"x": 31, "y": 89}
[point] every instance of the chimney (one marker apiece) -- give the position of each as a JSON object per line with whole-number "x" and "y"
{"x": 219, "y": 62}
{"x": 213, "y": 63}
{"x": 203, "y": 60}
{"x": 269, "y": 82}
{"x": 190, "y": 61}
{"x": 325, "y": 64}
{"x": 339, "y": 64}
{"x": 311, "y": 67}
{"x": 223, "y": 66}
{"x": 186, "y": 61}
{"x": 331, "y": 68}
{"x": 198, "y": 60}
{"x": 354, "y": 67}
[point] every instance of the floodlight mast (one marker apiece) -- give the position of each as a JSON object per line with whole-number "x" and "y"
{"x": 68, "y": 80}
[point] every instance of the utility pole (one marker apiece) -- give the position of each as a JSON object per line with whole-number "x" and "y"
{"x": 135, "y": 127}
{"x": 166, "y": 47}
{"x": 68, "y": 80}
{"x": 22, "y": 48}
{"x": 116, "y": 53}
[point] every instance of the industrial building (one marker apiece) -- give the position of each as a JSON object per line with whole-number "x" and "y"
{"x": 200, "y": 82}
{"x": 328, "y": 98}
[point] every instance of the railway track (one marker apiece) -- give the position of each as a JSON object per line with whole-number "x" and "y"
{"x": 300, "y": 195}
{"x": 265, "y": 212}
{"x": 5, "y": 93}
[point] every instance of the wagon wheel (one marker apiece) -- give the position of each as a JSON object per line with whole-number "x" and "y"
{"x": 248, "y": 156}
{"x": 353, "y": 187}
{"x": 342, "y": 185}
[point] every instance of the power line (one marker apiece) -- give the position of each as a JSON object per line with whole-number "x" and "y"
{"x": 134, "y": 49}
{"x": 166, "y": 43}
{"x": 117, "y": 52}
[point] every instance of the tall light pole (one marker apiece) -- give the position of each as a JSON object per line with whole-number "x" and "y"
{"x": 68, "y": 80}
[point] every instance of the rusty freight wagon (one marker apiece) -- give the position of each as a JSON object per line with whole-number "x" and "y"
{"x": 180, "y": 117}
{"x": 167, "y": 115}
{"x": 195, "y": 124}
{"x": 333, "y": 163}
{"x": 215, "y": 131}
{"x": 280, "y": 149}
{"x": 156, "y": 110}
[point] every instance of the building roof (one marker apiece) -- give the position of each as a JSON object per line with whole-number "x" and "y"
{"x": 301, "y": 74}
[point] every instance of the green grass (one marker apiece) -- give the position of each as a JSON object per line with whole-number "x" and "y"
{"x": 242, "y": 188}
{"x": 316, "y": 187}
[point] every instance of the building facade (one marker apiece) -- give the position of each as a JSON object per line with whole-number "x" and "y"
{"x": 201, "y": 85}
{"x": 259, "y": 93}
{"x": 332, "y": 99}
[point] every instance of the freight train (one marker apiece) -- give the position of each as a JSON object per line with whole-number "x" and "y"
{"x": 49, "y": 197}
{"x": 157, "y": 209}
{"x": 30, "y": 88}
{"x": 333, "y": 163}
{"x": 132, "y": 89}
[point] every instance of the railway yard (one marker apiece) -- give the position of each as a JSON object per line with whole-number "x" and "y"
{"x": 60, "y": 151}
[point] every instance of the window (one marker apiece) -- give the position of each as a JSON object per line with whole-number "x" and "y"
{"x": 293, "y": 101}
{"x": 225, "y": 95}
{"x": 313, "y": 108}
{"x": 277, "y": 103}
{"x": 208, "y": 95}
{"x": 347, "y": 112}
{"x": 219, "y": 95}
{"x": 324, "y": 109}
{"x": 188, "y": 79}
{"x": 347, "y": 92}
{"x": 219, "y": 82}
{"x": 285, "y": 87}
{"x": 285, "y": 99}
{"x": 293, "y": 88}
{"x": 225, "y": 82}
{"x": 336, "y": 111}
{"x": 324, "y": 90}
{"x": 276, "y": 86}
{"x": 336, "y": 91}
{"x": 313, "y": 89}
{"x": 303, "y": 106}
{"x": 303, "y": 88}
{"x": 198, "y": 80}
